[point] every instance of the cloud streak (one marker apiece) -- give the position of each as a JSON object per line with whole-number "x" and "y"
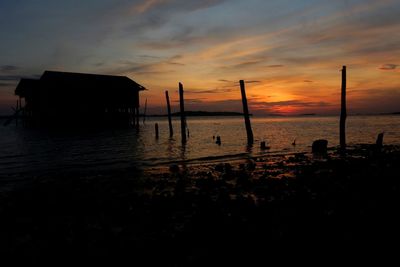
{"x": 2, "y": 84}
{"x": 209, "y": 91}
{"x": 10, "y": 77}
{"x": 388, "y": 67}
{"x": 8, "y": 68}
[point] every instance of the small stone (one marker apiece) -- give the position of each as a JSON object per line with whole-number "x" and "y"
{"x": 251, "y": 165}
{"x": 228, "y": 168}
{"x": 320, "y": 146}
{"x": 218, "y": 142}
{"x": 219, "y": 167}
{"x": 174, "y": 168}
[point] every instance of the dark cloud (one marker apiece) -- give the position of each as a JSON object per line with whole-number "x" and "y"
{"x": 191, "y": 100}
{"x": 10, "y": 77}
{"x": 151, "y": 57}
{"x": 388, "y": 67}
{"x": 305, "y": 60}
{"x": 14, "y": 78}
{"x": 246, "y": 82}
{"x": 156, "y": 60}
{"x": 237, "y": 82}
{"x": 291, "y": 103}
{"x": 308, "y": 81}
{"x": 175, "y": 57}
{"x": 8, "y": 68}
{"x": 171, "y": 42}
{"x": 242, "y": 65}
{"x": 176, "y": 63}
{"x": 2, "y": 84}
{"x": 210, "y": 91}
{"x": 276, "y": 66}
{"x": 369, "y": 92}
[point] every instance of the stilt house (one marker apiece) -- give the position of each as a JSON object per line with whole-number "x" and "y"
{"x": 79, "y": 99}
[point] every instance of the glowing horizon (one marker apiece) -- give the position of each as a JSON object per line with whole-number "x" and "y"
{"x": 289, "y": 52}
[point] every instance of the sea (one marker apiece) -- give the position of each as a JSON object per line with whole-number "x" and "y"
{"x": 25, "y": 151}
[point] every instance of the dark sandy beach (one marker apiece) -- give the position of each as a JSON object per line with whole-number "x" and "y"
{"x": 199, "y": 214}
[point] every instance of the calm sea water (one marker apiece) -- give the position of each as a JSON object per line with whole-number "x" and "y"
{"x": 35, "y": 151}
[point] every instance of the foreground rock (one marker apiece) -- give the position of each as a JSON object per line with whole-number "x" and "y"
{"x": 320, "y": 146}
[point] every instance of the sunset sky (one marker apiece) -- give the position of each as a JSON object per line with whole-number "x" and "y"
{"x": 289, "y": 52}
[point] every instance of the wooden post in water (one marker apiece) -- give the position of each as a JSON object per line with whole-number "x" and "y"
{"x": 182, "y": 111}
{"x": 343, "y": 113}
{"x": 171, "y": 131}
{"x": 250, "y": 138}
{"x": 16, "y": 113}
{"x": 133, "y": 117}
{"x": 144, "y": 114}
{"x": 379, "y": 142}
{"x": 137, "y": 118}
{"x": 156, "y": 129}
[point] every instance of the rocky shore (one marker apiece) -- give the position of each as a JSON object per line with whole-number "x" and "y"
{"x": 186, "y": 215}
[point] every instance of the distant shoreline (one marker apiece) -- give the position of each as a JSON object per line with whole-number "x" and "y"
{"x": 238, "y": 114}
{"x": 392, "y": 113}
{"x": 201, "y": 114}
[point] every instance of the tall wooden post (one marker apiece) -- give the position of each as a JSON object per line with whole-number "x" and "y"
{"x": 134, "y": 116}
{"x": 182, "y": 109}
{"x": 137, "y": 117}
{"x": 250, "y": 138}
{"x": 16, "y": 113}
{"x": 171, "y": 131}
{"x": 144, "y": 114}
{"x": 156, "y": 130}
{"x": 343, "y": 113}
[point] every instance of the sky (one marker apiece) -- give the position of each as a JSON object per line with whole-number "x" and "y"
{"x": 289, "y": 52}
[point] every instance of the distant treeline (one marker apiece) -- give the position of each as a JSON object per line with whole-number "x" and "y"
{"x": 202, "y": 113}
{"x": 390, "y": 113}
{"x": 225, "y": 113}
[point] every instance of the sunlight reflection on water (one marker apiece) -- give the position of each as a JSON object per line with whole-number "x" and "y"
{"x": 29, "y": 150}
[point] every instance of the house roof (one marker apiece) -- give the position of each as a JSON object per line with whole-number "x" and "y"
{"x": 86, "y": 80}
{"x": 82, "y": 82}
{"x": 26, "y": 86}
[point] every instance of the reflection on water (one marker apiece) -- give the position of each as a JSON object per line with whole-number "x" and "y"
{"x": 182, "y": 151}
{"x": 249, "y": 148}
{"x": 170, "y": 147}
{"x": 35, "y": 151}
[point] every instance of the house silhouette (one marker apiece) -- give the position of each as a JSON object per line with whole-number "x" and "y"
{"x": 79, "y": 99}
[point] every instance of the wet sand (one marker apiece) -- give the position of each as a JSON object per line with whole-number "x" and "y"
{"x": 197, "y": 214}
